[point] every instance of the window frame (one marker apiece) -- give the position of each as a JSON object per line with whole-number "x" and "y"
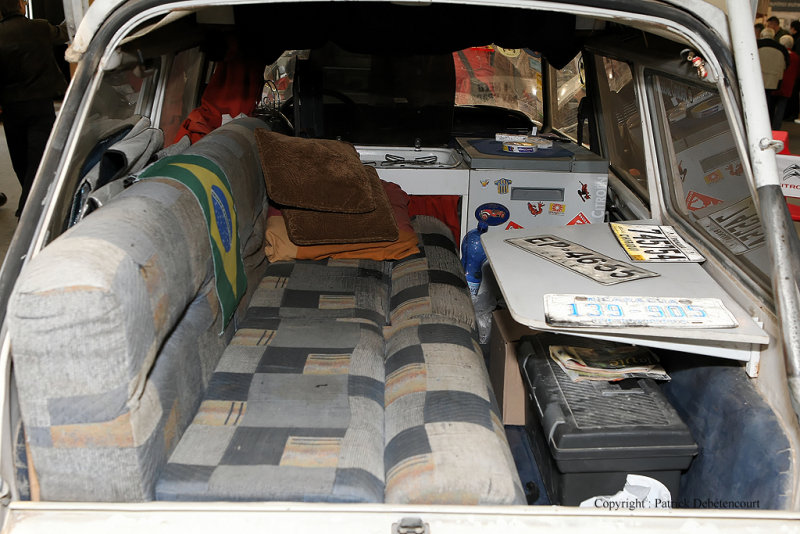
{"x": 641, "y": 191}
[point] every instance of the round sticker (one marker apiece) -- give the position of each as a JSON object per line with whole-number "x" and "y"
{"x": 493, "y": 213}
{"x": 508, "y": 52}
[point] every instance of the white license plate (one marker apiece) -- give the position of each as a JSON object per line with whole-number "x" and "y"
{"x": 577, "y": 258}
{"x": 652, "y": 243}
{"x": 738, "y": 227}
{"x": 622, "y": 311}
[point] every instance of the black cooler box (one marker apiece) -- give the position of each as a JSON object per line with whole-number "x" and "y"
{"x": 588, "y": 436}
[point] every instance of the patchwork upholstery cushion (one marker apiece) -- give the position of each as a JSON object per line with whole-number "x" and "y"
{"x": 294, "y": 412}
{"x": 432, "y": 282}
{"x": 114, "y": 328}
{"x": 445, "y": 441}
{"x": 88, "y": 318}
{"x": 331, "y": 288}
{"x": 346, "y": 381}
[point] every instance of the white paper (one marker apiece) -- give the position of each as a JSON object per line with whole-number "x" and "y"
{"x": 639, "y": 492}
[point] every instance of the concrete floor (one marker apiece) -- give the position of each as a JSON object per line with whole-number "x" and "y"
{"x": 10, "y": 186}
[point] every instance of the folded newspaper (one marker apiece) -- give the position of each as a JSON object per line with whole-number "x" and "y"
{"x": 608, "y": 364}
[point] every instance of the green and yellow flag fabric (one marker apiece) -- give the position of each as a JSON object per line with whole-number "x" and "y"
{"x": 210, "y": 186}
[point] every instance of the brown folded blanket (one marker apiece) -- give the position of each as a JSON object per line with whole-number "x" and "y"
{"x": 280, "y": 247}
{"x": 314, "y": 174}
{"x": 326, "y": 194}
{"x": 308, "y": 227}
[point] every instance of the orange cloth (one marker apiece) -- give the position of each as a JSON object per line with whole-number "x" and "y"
{"x": 443, "y": 207}
{"x": 234, "y": 89}
{"x": 280, "y": 248}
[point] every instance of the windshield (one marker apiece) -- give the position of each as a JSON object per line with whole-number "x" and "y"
{"x": 510, "y": 78}
{"x": 378, "y": 99}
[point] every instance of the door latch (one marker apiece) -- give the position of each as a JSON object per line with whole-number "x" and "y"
{"x": 410, "y": 525}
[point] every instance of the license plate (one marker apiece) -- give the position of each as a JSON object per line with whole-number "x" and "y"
{"x": 577, "y": 258}
{"x": 626, "y": 311}
{"x": 652, "y": 243}
{"x": 738, "y": 227}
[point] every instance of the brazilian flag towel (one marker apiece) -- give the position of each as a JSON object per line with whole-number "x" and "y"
{"x": 210, "y": 186}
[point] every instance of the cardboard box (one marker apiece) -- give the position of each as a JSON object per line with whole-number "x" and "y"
{"x": 504, "y": 369}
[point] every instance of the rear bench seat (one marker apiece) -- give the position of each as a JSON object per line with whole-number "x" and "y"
{"x": 341, "y": 381}
{"x": 115, "y": 325}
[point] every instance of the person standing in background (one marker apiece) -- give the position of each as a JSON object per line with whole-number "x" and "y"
{"x": 758, "y": 27}
{"x": 793, "y": 105}
{"x": 784, "y": 91}
{"x": 30, "y": 80}
{"x": 774, "y": 24}
{"x": 774, "y": 60}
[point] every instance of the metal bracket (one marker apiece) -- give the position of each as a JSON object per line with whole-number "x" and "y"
{"x": 410, "y": 525}
{"x": 753, "y": 365}
{"x": 697, "y": 62}
{"x": 767, "y": 143}
{"x": 5, "y": 493}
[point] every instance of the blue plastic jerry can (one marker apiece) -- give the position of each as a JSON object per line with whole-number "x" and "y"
{"x": 473, "y": 256}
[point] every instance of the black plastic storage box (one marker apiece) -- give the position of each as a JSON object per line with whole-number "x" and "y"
{"x": 588, "y": 436}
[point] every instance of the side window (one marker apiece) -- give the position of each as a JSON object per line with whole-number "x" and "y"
{"x": 180, "y": 93}
{"x": 570, "y": 90}
{"x": 707, "y": 184}
{"x": 122, "y": 98}
{"x": 281, "y": 74}
{"x": 123, "y": 93}
{"x": 505, "y": 77}
{"x": 622, "y": 126}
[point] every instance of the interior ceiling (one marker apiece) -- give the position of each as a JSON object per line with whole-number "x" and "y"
{"x": 403, "y": 30}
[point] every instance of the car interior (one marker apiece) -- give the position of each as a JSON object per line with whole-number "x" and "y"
{"x": 369, "y": 373}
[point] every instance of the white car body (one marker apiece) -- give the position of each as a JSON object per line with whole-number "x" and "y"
{"x": 732, "y": 67}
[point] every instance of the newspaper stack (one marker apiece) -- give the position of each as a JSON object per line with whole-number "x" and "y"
{"x": 607, "y": 364}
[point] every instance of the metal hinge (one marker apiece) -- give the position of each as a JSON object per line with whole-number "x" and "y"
{"x": 410, "y": 525}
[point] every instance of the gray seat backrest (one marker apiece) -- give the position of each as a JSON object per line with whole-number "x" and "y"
{"x": 115, "y": 328}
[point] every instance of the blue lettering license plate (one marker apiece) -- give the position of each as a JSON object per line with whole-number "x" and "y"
{"x": 626, "y": 311}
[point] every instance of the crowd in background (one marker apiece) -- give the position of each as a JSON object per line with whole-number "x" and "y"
{"x": 779, "y": 53}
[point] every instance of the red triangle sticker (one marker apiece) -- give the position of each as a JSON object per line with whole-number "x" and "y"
{"x": 697, "y": 201}
{"x": 579, "y": 219}
{"x": 513, "y": 226}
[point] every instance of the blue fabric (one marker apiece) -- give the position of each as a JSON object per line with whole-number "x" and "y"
{"x": 521, "y": 449}
{"x": 745, "y": 455}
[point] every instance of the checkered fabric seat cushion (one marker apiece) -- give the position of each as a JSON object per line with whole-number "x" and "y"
{"x": 432, "y": 282}
{"x": 445, "y": 441}
{"x": 332, "y": 288}
{"x": 115, "y": 329}
{"x": 294, "y": 411}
